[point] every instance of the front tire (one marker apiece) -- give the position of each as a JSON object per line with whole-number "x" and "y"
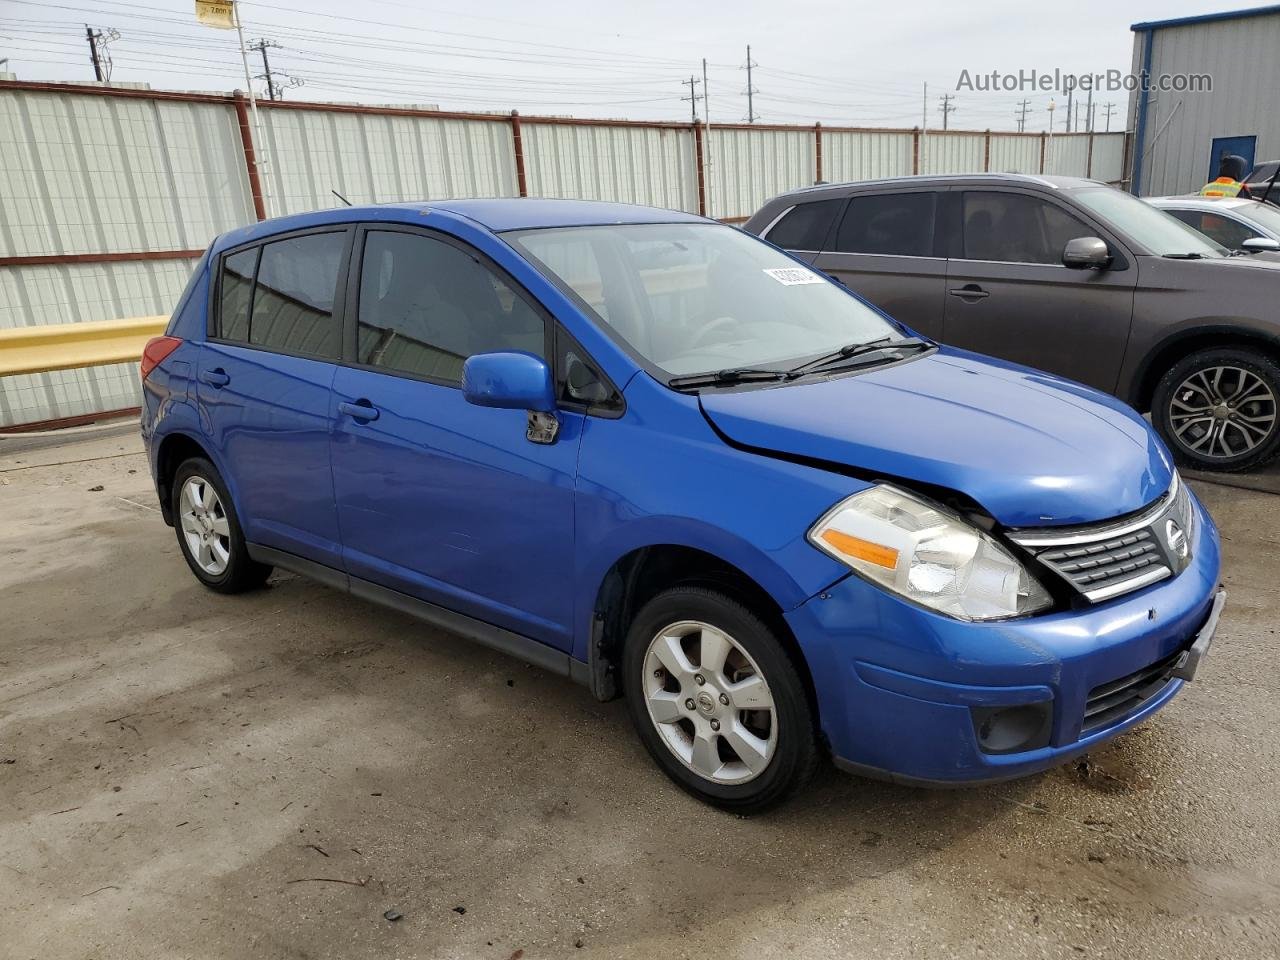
{"x": 1217, "y": 409}
{"x": 717, "y": 701}
{"x": 209, "y": 532}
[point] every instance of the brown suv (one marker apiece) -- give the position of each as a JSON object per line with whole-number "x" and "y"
{"x": 1068, "y": 275}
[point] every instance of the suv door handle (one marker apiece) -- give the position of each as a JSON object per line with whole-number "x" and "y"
{"x": 361, "y": 410}
{"x": 215, "y": 378}
{"x": 970, "y": 292}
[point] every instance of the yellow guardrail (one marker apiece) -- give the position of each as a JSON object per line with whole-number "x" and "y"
{"x": 65, "y": 346}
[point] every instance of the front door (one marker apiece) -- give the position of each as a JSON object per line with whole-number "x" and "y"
{"x": 884, "y": 249}
{"x": 1231, "y": 146}
{"x": 1008, "y": 294}
{"x": 264, "y": 377}
{"x": 437, "y": 498}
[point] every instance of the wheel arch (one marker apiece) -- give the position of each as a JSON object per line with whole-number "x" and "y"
{"x": 175, "y": 448}
{"x": 1179, "y": 345}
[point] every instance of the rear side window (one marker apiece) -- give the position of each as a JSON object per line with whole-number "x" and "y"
{"x": 294, "y": 295}
{"x": 425, "y": 306}
{"x": 1017, "y": 228}
{"x": 806, "y": 226}
{"x": 236, "y": 291}
{"x": 896, "y": 224}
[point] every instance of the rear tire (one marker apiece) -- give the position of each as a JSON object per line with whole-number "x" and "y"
{"x": 209, "y": 532}
{"x": 1217, "y": 409}
{"x": 717, "y": 701}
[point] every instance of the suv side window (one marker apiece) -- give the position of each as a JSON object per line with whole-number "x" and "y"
{"x": 806, "y": 226}
{"x": 1226, "y": 231}
{"x": 896, "y": 224}
{"x": 1017, "y": 228}
{"x": 426, "y": 305}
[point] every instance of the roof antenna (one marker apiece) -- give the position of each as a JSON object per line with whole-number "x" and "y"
{"x": 341, "y": 197}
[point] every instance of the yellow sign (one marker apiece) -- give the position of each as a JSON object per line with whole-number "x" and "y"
{"x": 216, "y": 13}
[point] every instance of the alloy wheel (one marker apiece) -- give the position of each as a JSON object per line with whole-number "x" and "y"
{"x": 1222, "y": 412}
{"x": 710, "y": 702}
{"x": 205, "y": 526}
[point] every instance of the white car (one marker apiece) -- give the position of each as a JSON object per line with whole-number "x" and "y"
{"x": 1234, "y": 222}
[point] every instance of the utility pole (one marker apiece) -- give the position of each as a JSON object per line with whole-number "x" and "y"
{"x": 924, "y": 129}
{"x": 1023, "y": 109}
{"x": 946, "y": 107}
{"x": 262, "y": 45}
{"x": 693, "y": 98}
{"x": 1066, "y": 124}
{"x": 1088, "y": 112}
{"x": 751, "y": 113}
{"x": 1110, "y": 108}
{"x": 93, "y": 36}
{"x": 1048, "y": 163}
{"x": 706, "y": 135}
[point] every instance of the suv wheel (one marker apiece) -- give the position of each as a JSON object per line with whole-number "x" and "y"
{"x": 717, "y": 700}
{"x": 209, "y": 532}
{"x": 1217, "y": 409}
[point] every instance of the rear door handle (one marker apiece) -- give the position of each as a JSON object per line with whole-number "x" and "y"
{"x": 215, "y": 378}
{"x": 361, "y": 410}
{"x": 970, "y": 291}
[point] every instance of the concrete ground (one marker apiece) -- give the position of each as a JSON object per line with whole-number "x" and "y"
{"x": 189, "y": 775}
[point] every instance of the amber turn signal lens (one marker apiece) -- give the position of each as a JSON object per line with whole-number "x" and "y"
{"x": 852, "y": 546}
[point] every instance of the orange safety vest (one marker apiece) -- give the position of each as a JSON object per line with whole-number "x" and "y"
{"x": 1222, "y": 187}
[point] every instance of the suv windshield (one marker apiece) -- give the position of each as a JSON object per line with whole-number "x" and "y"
{"x": 695, "y": 297}
{"x": 1161, "y": 233}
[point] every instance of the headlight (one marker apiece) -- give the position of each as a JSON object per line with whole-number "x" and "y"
{"x": 924, "y": 552}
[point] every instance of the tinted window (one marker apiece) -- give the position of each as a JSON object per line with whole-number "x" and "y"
{"x": 1230, "y": 233}
{"x": 1017, "y": 228}
{"x": 888, "y": 223}
{"x": 237, "y": 288}
{"x": 293, "y": 298}
{"x": 425, "y": 306}
{"x": 806, "y": 226}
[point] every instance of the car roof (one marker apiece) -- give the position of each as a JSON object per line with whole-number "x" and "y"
{"x": 953, "y": 179}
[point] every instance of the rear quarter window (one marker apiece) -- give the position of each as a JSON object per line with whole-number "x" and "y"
{"x": 806, "y": 226}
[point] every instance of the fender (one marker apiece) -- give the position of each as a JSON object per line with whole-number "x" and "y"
{"x": 1214, "y": 330}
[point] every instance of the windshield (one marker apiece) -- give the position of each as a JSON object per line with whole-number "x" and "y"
{"x": 1161, "y": 233}
{"x": 698, "y": 297}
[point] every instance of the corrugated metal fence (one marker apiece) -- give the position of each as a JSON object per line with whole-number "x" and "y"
{"x": 111, "y": 193}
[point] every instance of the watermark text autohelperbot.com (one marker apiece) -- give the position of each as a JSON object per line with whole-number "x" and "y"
{"x": 1059, "y": 81}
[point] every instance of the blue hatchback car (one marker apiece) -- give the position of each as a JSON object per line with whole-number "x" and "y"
{"x": 660, "y": 456}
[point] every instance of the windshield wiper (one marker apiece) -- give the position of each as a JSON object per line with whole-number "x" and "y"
{"x": 720, "y": 378}
{"x": 1184, "y": 256}
{"x": 851, "y": 350}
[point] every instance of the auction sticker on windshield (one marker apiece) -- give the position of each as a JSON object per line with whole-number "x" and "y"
{"x": 790, "y": 276}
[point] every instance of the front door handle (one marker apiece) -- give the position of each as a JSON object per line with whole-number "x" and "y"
{"x": 215, "y": 378}
{"x": 361, "y": 410}
{"x": 970, "y": 292}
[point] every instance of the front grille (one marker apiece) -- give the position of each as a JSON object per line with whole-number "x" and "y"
{"x": 1105, "y": 560}
{"x": 1096, "y": 566}
{"x": 1111, "y": 702}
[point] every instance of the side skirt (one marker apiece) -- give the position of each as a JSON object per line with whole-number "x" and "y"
{"x": 496, "y": 638}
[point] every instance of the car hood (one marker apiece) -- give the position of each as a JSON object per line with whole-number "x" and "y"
{"x": 1031, "y": 448}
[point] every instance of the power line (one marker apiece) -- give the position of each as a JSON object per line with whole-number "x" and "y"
{"x": 752, "y": 116}
{"x": 946, "y": 107}
{"x": 1024, "y": 107}
{"x": 99, "y": 54}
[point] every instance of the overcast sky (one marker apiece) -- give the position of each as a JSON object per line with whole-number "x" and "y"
{"x": 840, "y": 63}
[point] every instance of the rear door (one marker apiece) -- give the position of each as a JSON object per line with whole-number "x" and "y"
{"x": 887, "y": 249}
{"x": 438, "y": 498}
{"x": 264, "y": 380}
{"x": 1008, "y": 294}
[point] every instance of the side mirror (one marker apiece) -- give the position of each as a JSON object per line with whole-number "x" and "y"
{"x": 1260, "y": 245}
{"x": 1086, "y": 253}
{"x": 515, "y": 381}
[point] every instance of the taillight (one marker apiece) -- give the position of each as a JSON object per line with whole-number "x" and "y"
{"x": 157, "y": 349}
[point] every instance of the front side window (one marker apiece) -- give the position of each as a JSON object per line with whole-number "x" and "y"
{"x": 426, "y": 305}
{"x": 693, "y": 297}
{"x": 805, "y": 226}
{"x": 1017, "y": 228}
{"x": 894, "y": 224}
{"x": 1230, "y": 233}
